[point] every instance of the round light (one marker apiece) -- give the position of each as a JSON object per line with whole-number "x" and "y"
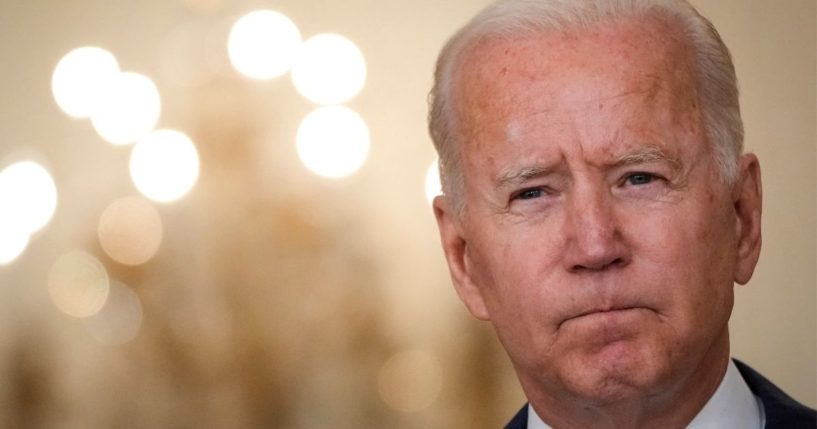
{"x": 164, "y": 166}
{"x": 410, "y": 381}
{"x": 262, "y": 44}
{"x": 433, "y": 186}
{"x": 13, "y": 242}
{"x": 28, "y": 197}
{"x": 78, "y": 284}
{"x": 120, "y": 319}
{"x": 333, "y": 141}
{"x": 78, "y": 80}
{"x": 130, "y": 230}
{"x": 329, "y": 69}
{"x": 129, "y": 109}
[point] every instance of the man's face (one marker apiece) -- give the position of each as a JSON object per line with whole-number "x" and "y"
{"x": 598, "y": 236}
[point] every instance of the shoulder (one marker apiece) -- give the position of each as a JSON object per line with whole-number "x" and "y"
{"x": 782, "y": 411}
{"x": 520, "y": 420}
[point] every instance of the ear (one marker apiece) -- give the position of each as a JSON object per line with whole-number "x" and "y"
{"x": 748, "y": 201}
{"x": 455, "y": 247}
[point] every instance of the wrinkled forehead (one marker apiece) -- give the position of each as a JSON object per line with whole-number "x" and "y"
{"x": 498, "y": 77}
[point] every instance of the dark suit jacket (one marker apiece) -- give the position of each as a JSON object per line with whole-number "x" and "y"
{"x": 782, "y": 411}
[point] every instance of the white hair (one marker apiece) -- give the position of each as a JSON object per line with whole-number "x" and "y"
{"x": 717, "y": 84}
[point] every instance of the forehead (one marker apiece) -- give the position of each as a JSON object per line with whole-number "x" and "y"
{"x": 503, "y": 81}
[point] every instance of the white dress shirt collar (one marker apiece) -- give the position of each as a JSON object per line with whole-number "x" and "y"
{"x": 732, "y": 406}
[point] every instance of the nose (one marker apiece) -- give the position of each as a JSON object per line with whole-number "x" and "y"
{"x": 594, "y": 239}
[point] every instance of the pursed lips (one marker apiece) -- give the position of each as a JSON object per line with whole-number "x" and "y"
{"x": 600, "y": 311}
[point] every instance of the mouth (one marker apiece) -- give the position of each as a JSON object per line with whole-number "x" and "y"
{"x": 606, "y": 310}
{"x": 604, "y": 313}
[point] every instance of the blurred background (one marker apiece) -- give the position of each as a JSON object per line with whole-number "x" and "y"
{"x": 214, "y": 214}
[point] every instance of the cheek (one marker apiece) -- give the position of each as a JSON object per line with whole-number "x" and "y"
{"x": 689, "y": 255}
{"x": 519, "y": 292}
{"x": 512, "y": 264}
{"x": 700, "y": 228}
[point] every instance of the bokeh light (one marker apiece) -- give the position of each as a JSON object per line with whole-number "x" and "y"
{"x": 119, "y": 320}
{"x": 130, "y": 230}
{"x": 433, "y": 186}
{"x": 329, "y": 69}
{"x": 128, "y": 110}
{"x": 28, "y": 197}
{"x": 13, "y": 242}
{"x": 78, "y": 284}
{"x": 263, "y": 43}
{"x": 164, "y": 165}
{"x": 410, "y": 381}
{"x": 333, "y": 141}
{"x": 79, "y": 78}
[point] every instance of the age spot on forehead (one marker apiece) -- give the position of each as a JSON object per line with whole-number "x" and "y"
{"x": 513, "y": 132}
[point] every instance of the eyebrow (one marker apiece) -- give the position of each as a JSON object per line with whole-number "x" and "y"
{"x": 520, "y": 175}
{"x": 645, "y": 155}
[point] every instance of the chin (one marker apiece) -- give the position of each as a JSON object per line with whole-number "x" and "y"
{"x": 619, "y": 372}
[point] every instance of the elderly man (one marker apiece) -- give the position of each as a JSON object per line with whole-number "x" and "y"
{"x": 598, "y": 210}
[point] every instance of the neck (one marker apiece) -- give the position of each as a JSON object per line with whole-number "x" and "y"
{"x": 673, "y": 405}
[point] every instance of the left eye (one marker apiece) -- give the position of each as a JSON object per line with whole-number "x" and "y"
{"x": 640, "y": 178}
{"x": 529, "y": 194}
